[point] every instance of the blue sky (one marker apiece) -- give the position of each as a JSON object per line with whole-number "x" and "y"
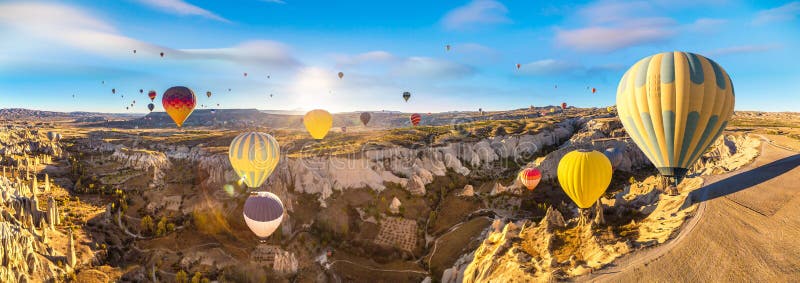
{"x": 51, "y": 50}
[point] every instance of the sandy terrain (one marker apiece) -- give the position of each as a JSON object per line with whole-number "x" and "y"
{"x": 745, "y": 230}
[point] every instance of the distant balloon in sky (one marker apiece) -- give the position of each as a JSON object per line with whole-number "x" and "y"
{"x": 263, "y": 213}
{"x": 415, "y": 119}
{"x": 674, "y": 105}
{"x": 594, "y": 90}
{"x": 406, "y": 95}
{"x": 254, "y": 155}
{"x": 245, "y": 74}
{"x": 268, "y": 76}
{"x": 134, "y": 51}
{"x": 447, "y": 47}
{"x": 162, "y": 54}
{"x": 208, "y": 94}
{"x": 318, "y": 122}
{"x": 229, "y": 89}
{"x": 179, "y": 102}
{"x": 114, "y": 90}
{"x": 151, "y": 94}
{"x": 341, "y": 75}
{"x": 563, "y": 105}
{"x": 518, "y": 66}
{"x": 584, "y": 176}
{"x": 141, "y": 90}
{"x": 151, "y": 107}
{"x": 365, "y": 117}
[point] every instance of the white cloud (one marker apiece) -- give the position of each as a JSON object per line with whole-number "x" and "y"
{"x": 787, "y": 12}
{"x": 256, "y": 52}
{"x": 741, "y": 49}
{"x": 180, "y": 7}
{"x": 68, "y": 26}
{"x": 430, "y": 68}
{"x": 548, "y": 67}
{"x": 476, "y": 13}
{"x": 378, "y": 56}
{"x": 606, "y": 39}
{"x": 706, "y": 25}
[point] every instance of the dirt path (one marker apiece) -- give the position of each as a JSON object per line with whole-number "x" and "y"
{"x": 744, "y": 230}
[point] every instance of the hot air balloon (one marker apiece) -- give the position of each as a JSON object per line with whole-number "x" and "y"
{"x": 151, "y": 107}
{"x": 162, "y": 54}
{"x": 556, "y": 86}
{"x": 615, "y": 156}
{"x": 594, "y": 90}
{"x": 245, "y": 74}
{"x": 126, "y": 108}
{"x": 268, "y": 76}
{"x": 103, "y": 82}
{"x": 610, "y": 109}
{"x": 344, "y": 129}
{"x": 229, "y": 90}
{"x": 141, "y": 90}
{"x": 518, "y": 66}
{"x": 151, "y": 94}
{"x": 113, "y": 90}
{"x": 529, "y": 177}
{"x": 263, "y": 213}
{"x": 480, "y": 110}
{"x": 134, "y": 51}
{"x": 563, "y": 106}
{"x": 254, "y": 155}
{"x": 208, "y": 94}
{"x": 270, "y": 95}
{"x": 179, "y": 102}
{"x": 406, "y": 95}
{"x": 552, "y": 110}
{"x": 341, "y": 75}
{"x": 365, "y": 117}
{"x": 318, "y": 122}
{"x": 415, "y": 118}
{"x": 447, "y": 47}
{"x": 675, "y": 105}
{"x": 584, "y": 176}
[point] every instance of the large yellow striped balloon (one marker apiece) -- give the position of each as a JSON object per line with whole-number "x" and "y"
{"x": 674, "y": 105}
{"x": 254, "y": 156}
{"x": 584, "y": 175}
{"x": 318, "y": 122}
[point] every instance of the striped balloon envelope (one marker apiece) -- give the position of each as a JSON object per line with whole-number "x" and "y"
{"x": 415, "y": 118}
{"x": 263, "y": 213}
{"x": 253, "y": 156}
{"x": 530, "y": 177}
{"x": 584, "y": 176}
{"x": 179, "y": 102}
{"x": 674, "y": 105}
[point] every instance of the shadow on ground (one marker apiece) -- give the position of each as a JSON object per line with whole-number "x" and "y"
{"x": 743, "y": 180}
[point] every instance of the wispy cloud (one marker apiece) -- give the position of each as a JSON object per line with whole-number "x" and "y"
{"x": 787, "y": 12}
{"x": 741, "y": 49}
{"x": 69, "y": 26}
{"x": 476, "y": 13}
{"x": 555, "y": 67}
{"x": 181, "y": 7}
{"x": 706, "y": 25}
{"x": 378, "y": 56}
{"x": 431, "y": 68}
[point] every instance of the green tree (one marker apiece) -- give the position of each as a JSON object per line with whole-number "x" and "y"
{"x": 146, "y": 225}
{"x": 181, "y": 277}
{"x": 197, "y": 277}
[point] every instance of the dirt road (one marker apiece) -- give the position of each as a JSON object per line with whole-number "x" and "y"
{"x": 746, "y": 230}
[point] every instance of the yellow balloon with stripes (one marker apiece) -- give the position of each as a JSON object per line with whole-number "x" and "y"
{"x": 254, "y": 155}
{"x": 584, "y": 176}
{"x": 674, "y": 105}
{"x": 318, "y": 122}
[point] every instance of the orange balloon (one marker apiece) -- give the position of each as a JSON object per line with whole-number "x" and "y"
{"x": 179, "y": 102}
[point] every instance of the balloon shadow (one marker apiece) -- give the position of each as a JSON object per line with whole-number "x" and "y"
{"x": 743, "y": 180}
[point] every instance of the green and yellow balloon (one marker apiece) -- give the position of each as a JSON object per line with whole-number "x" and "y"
{"x": 674, "y": 105}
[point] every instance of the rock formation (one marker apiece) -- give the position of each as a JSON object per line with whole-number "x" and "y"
{"x": 394, "y": 207}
